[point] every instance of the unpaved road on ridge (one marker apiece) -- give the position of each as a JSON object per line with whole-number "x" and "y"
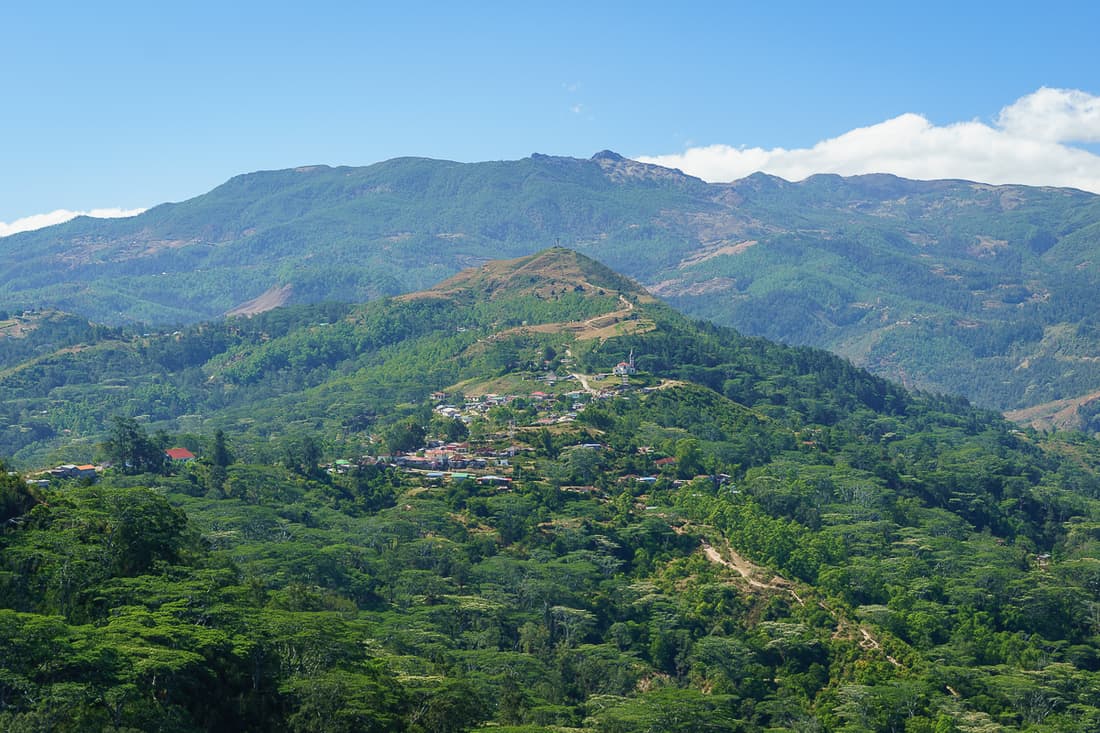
{"x": 747, "y": 570}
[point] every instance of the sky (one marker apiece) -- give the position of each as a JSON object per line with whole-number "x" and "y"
{"x": 113, "y": 107}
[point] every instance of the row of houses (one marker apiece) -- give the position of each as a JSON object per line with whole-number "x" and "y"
{"x": 70, "y": 471}
{"x": 487, "y": 480}
{"x": 473, "y": 407}
{"x": 439, "y": 462}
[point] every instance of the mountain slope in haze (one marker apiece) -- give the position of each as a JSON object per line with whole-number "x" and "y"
{"x": 739, "y": 536}
{"x": 949, "y": 286}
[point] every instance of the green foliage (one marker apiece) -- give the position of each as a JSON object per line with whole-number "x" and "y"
{"x": 824, "y": 551}
{"x": 404, "y": 436}
{"x": 947, "y": 285}
{"x": 130, "y": 449}
{"x": 220, "y": 455}
{"x": 16, "y": 497}
{"x": 345, "y": 702}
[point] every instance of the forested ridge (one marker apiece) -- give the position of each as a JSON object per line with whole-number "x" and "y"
{"x": 947, "y": 286}
{"x": 730, "y": 535}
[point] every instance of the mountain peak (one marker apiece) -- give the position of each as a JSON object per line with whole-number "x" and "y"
{"x": 621, "y": 170}
{"x": 546, "y": 274}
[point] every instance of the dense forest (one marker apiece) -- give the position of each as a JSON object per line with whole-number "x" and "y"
{"x": 730, "y": 535}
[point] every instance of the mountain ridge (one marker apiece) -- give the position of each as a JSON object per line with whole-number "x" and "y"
{"x": 945, "y": 285}
{"x": 239, "y": 367}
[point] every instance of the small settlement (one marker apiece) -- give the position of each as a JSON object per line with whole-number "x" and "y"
{"x": 491, "y": 458}
{"x": 91, "y": 471}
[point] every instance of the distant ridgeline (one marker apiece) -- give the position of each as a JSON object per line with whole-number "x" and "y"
{"x": 947, "y": 286}
{"x": 530, "y": 498}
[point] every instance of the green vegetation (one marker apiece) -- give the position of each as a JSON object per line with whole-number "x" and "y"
{"x": 946, "y": 286}
{"x": 294, "y": 368}
{"x": 740, "y": 537}
{"x": 376, "y": 599}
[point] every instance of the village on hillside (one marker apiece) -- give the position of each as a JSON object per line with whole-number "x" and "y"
{"x": 504, "y": 427}
{"x": 499, "y": 424}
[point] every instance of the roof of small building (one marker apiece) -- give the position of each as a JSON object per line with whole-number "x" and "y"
{"x": 180, "y": 454}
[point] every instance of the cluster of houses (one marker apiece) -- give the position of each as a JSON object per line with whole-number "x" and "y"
{"x": 451, "y": 460}
{"x": 90, "y": 471}
{"x": 440, "y": 463}
{"x": 552, "y": 408}
{"x": 68, "y": 471}
{"x": 452, "y": 456}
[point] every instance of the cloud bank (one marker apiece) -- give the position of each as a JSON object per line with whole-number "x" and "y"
{"x": 38, "y": 221}
{"x": 1030, "y": 142}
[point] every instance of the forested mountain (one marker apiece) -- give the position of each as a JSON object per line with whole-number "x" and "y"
{"x": 949, "y": 286}
{"x": 532, "y": 498}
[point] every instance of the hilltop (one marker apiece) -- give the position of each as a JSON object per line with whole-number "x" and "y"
{"x": 947, "y": 286}
{"x": 544, "y": 275}
{"x": 289, "y": 362}
{"x": 453, "y": 511}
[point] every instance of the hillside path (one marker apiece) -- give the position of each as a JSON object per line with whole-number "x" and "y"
{"x": 583, "y": 379}
{"x": 747, "y": 570}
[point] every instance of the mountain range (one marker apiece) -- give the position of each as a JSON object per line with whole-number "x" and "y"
{"x": 946, "y": 286}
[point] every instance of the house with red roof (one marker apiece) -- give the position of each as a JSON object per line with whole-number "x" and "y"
{"x": 179, "y": 455}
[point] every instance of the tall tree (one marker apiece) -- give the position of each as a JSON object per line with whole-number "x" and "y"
{"x": 15, "y": 496}
{"x": 129, "y": 448}
{"x": 220, "y": 455}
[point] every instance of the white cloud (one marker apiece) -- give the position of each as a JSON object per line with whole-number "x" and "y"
{"x": 60, "y": 216}
{"x": 1030, "y": 143}
{"x": 1060, "y": 115}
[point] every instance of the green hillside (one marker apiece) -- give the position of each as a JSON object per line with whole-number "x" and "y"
{"x": 348, "y": 234}
{"x": 445, "y": 512}
{"x": 948, "y": 286}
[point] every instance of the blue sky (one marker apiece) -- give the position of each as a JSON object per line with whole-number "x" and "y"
{"x": 126, "y": 105}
